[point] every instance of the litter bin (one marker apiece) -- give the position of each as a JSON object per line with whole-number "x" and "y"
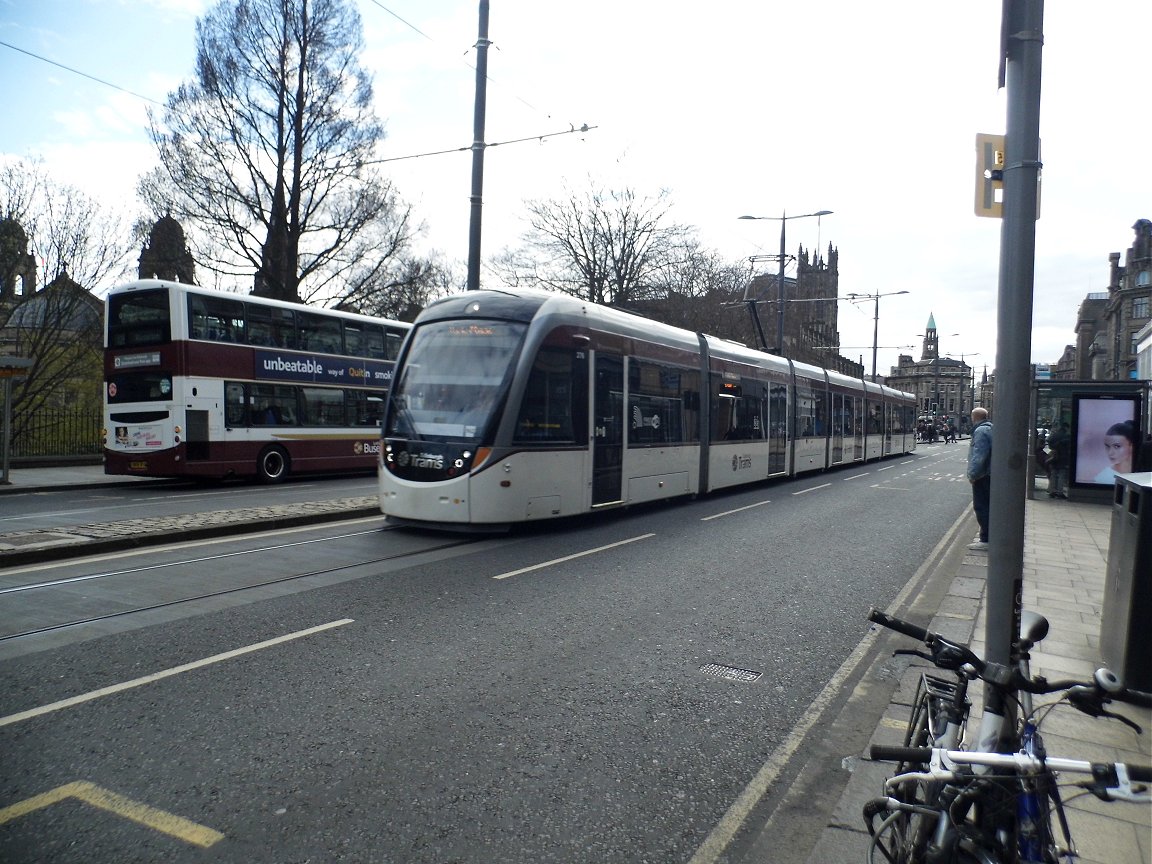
{"x": 1125, "y": 635}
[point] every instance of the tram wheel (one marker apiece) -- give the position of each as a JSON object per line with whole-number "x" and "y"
{"x": 272, "y": 466}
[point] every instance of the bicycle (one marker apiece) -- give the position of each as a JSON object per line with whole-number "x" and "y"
{"x": 946, "y": 804}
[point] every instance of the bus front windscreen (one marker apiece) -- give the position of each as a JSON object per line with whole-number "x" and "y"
{"x": 453, "y": 380}
{"x": 139, "y": 318}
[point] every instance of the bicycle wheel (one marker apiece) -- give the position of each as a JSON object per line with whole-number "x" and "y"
{"x": 904, "y": 837}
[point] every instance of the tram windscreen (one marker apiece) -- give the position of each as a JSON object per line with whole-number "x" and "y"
{"x": 453, "y": 379}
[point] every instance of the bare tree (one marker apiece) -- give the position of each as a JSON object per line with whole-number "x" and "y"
{"x": 404, "y": 292}
{"x": 699, "y": 290}
{"x": 82, "y": 246}
{"x": 269, "y": 151}
{"x": 604, "y": 246}
{"x": 67, "y": 231}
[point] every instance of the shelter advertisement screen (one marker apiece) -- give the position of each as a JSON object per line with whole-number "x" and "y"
{"x": 1108, "y": 435}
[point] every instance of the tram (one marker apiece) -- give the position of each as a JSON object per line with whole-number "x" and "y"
{"x": 516, "y": 405}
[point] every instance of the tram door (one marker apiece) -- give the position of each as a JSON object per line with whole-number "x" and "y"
{"x": 777, "y": 429}
{"x": 607, "y": 429}
{"x": 837, "y": 428}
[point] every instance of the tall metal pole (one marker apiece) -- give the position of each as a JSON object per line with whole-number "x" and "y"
{"x": 780, "y": 289}
{"x": 875, "y": 336}
{"x": 1023, "y": 32}
{"x": 476, "y": 197}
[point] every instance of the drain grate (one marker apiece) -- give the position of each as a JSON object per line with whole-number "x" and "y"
{"x": 730, "y": 673}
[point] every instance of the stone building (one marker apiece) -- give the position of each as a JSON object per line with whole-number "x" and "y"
{"x": 1109, "y": 322}
{"x": 810, "y": 323}
{"x": 166, "y": 254}
{"x": 942, "y": 384}
{"x": 17, "y": 267}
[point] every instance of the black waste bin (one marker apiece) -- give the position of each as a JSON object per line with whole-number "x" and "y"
{"x": 1125, "y": 631}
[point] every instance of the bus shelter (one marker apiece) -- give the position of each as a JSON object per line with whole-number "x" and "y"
{"x": 1107, "y": 424}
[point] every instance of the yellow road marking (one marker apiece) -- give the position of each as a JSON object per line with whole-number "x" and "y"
{"x": 149, "y": 817}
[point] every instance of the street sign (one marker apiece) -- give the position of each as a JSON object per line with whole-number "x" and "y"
{"x": 990, "y": 175}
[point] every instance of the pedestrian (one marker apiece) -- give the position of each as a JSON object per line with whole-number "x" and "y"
{"x": 1059, "y": 455}
{"x": 980, "y": 474}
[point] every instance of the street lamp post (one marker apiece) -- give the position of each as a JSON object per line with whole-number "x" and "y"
{"x": 963, "y": 378}
{"x": 783, "y": 217}
{"x": 936, "y": 375}
{"x": 875, "y": 320}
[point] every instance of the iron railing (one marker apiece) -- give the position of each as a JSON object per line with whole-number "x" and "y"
{"x": 59, "y": 432}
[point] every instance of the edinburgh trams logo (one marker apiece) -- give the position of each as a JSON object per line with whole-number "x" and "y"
{"x": 420, "y": 460}
{"x": 639, "y": 421}
{"x": 741, "y": 463}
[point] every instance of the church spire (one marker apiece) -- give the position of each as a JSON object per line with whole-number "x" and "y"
{"x": 931, "y": 348}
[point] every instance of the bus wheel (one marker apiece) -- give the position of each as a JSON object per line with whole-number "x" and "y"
{"x": 272, "y": 466}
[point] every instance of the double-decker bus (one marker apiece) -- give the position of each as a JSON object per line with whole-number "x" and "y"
{"x": 208, "y": 384}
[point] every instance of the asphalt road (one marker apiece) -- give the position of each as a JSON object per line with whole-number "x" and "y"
{"x": 539, "y": 697}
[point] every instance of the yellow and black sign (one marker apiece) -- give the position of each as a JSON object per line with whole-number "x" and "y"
{"x": 990, "y": 175}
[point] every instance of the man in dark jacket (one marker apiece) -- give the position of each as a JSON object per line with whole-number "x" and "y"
{"x": 1060, "y": 443}
{"x": 979, "y": 473}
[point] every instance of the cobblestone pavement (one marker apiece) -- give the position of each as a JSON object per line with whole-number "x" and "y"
{"x": 23, "y": 547}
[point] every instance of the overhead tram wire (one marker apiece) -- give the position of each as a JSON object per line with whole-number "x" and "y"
{"x": 407, "y": 24}
{"x": 82, "y": 74}
{"x": 487, "y": 77}
{"x": 468, "y": 148}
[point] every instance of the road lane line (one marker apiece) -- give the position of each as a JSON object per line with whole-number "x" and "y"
{"x": 737, "y": 510}
{"x": 167, "y": 673}
{"x": 885, "y": 468}
{"x": 730, "y": 823}
{"x": 554, "y": 561}
{"x": 858, "y": 476}
{"x": 812, "y": 489}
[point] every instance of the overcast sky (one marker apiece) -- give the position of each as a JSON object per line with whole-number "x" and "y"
{"x": 756, "y": 107}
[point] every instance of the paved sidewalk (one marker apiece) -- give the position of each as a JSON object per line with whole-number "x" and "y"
{"x": 1065, "y": 569}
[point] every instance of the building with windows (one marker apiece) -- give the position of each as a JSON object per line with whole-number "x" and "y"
{"x": 1109, "y": 324}
{"x": 942, "y": 383}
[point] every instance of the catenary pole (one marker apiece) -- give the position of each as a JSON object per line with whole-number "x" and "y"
{"x": 477, "y": 196}
{"x": 1022, "y": 44}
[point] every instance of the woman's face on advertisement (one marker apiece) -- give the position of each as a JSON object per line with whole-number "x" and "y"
{"x": 1119, "y": 450}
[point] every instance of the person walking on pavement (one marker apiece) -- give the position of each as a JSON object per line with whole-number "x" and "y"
{"x": 1060, "y": 443}
{"x": 979, "y": 473}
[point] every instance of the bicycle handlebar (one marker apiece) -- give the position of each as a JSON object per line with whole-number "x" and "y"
{"x": 924, "y": 756}
{"x": 1087, "y": 696}
{"x": 906, "y": 627}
